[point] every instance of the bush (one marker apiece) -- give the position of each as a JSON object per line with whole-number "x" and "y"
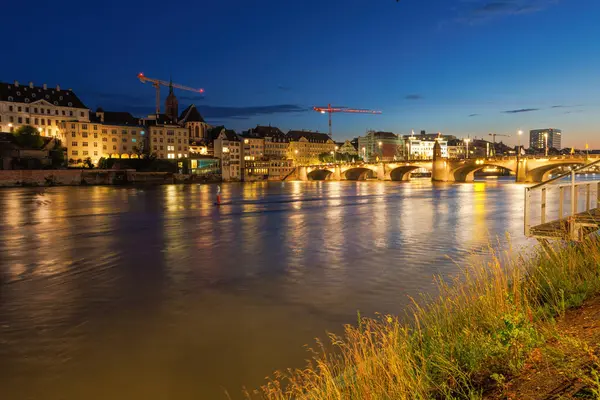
{"x": 29, "y": 137}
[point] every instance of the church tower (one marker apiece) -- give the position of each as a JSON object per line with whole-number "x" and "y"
{"x": 171, "y": 104}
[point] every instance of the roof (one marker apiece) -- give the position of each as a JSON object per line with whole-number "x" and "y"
{"x": 191, "y": 114}
{"x": 231, "y": 135}
{"x": 27, "y": 94}
{"x": 115, "y": 118}
{"x": 308, "y": 135}
{"x": 268, "y": 131}
{"x": 159, "y": 119}
{"x": 385, "y": 135}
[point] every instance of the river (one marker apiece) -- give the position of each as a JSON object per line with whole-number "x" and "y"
{"x": 155, "y": 293}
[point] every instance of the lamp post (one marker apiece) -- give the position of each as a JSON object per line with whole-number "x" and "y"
{"x": 467, "y": 140}
{"x": 364, "y": 151}
{"x": 334, "y": 154}
{"x": 546, "y": 140}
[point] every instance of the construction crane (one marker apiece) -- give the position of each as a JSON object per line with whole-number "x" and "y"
{"x": 330, "y": 110}
{"x": 493, "y": 135}
{"x": 157, "y": 83}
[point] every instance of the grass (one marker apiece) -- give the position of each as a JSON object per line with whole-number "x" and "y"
{"x": 480, "y": 330}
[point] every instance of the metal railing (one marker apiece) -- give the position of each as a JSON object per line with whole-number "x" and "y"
{"x": 574, "y": 188}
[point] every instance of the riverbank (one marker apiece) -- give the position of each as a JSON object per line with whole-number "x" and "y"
{"x": 499, "y": 330}
{"x": 81, "y": 177}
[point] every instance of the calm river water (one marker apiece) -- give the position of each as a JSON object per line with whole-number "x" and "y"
{"x": 154, "y": 293}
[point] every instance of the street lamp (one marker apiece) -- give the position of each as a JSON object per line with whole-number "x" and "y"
{"x": 546, "y": 140}
{"x": 467, "y": 140}
{"x": 334, "y": 154}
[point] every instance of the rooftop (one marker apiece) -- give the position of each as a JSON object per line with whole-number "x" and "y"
{"x": 18, "y": 93}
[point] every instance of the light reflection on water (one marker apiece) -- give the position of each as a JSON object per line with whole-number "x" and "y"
{"x": 156, "y": 293}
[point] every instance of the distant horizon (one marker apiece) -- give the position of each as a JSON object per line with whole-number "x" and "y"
{"x": 463, "y": 68}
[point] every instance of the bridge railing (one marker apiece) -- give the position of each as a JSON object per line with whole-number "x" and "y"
{"x": 552, "y": 201}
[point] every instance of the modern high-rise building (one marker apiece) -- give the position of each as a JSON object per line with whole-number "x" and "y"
{"x": 538, "y": 140}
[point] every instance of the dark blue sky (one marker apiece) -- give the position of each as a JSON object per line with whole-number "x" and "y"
{"x": 464, "y": 67}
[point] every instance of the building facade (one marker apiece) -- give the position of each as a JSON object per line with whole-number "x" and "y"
{"x": 380, "y": 146}
{"x": 540, "y": 139}
{"x": 166, "y": 139}
{"x": 347, "y": 148}
{"x": 418, "y": 149}
{"x": 276, "y": 142}
{"x": 229, "y": 149}
{"x": 42, "y": 107}
{"x": 306, "y": 146}
{"x": 191, "y": 119}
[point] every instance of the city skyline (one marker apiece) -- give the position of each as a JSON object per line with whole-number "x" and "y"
{"x": 450, "y": 67}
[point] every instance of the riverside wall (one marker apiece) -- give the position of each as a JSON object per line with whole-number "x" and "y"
{"x": 19, "y": 178}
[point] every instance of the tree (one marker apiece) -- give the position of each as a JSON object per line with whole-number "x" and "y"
{"x": 28, "y": 136}
{"x": 88, "y": 163}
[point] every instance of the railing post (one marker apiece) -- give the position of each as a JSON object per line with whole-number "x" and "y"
{"x": 543, "y": 216}
{"x": 527, "y": 212}
{"x": 588, "y": 197}
{"x": 561, "y": 203}
{"x": 573, "y": 195}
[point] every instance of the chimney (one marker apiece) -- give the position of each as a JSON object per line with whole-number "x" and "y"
{"x": 16, "y": 83}
{"x": 45, "y": 86}
{"x": 58, "y": 88}
{"x": 31, "y": 85}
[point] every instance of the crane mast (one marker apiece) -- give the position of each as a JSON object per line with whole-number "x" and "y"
{"x": 157, "y": 83}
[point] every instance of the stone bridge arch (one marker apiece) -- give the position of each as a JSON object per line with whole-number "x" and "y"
{"x": 536, "y": 174}
{"x": 466, "y": 171}
{"x": 360, "y": 173}
{"x": 319, "y": 174}
{"x": 402, "y": 172}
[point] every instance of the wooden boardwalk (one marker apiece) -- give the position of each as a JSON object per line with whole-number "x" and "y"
{"x": 584, "y": 223}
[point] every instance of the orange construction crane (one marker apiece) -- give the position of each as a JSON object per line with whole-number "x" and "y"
{"x": 330, "y": 110}
{"x": 157, "y": 83}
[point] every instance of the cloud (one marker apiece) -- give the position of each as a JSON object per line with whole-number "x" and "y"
{"x": 221, "y": 112}
{"x": 479, "y": 11}
{"x": 413, "y": 97}
{"x": 284, "y": 88}
{"x": 473, "y": 115}
{"x": 190, "y": 98}
{"x": 521, "y": 110}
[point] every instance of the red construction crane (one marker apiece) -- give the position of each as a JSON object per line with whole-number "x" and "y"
{"x": 157, "y": 83}
{"x": 330, "y": 110}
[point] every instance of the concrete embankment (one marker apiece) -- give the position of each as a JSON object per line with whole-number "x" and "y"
{"x": 17, "y": 178}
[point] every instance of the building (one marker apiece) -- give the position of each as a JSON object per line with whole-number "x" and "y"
{"x": 42, "y": 107}
{"x": 380, "y": 146}
{"x": 108, "y": 134}
{"x": 347, "y": 148}
{"x": 276, "y": 143}
{"x": 253, "y": 148}
{"x": 191, "y": 119}
{"x": 275, "y": 170}
{"x": 306, "y": 146}
{"x": 166, "y": 138}
{"x": 204, "y": 166}
{"x": 540, "y": 139}
{"x": 457, "y": 149}
{"x": 228, "y": 148}
{"x": 418, "y": 149}
{"x": 16, "y": 156}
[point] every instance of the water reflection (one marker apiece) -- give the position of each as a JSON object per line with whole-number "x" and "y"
{"x": 156, "y": 293}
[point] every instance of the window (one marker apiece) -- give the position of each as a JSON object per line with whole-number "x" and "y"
{"x": 134, "y": 140}
{"x": 41, "y": 110}
{"x": 49, "y": 122}
{"x": 73, "y": 134}
{"x": 95, "y": 153}
{"x": 124, "y": 148}
{"x": 27, "y": 121}
{"x": 160, "y": 140}
{"x": 74, "y": 152}
{"x": 81, "y": 113}
{"x": 70, "y": 113}
{"x": 11, "y": 119}
{"x": 114, "y": 147}
{"x": 105, "y": 139}
{"x": 104, "y": 131}
{"x": 154, "y": 140}
{"x": 95, "y": 144}
{"x": 84, "y": 126}
{"x": 113, "y": 131}
{"x": 73, "y": 143}
{"x": 124, "y": 140}
{"x": 161, "y": 147}
{"x": 95, "y": 136}
{"x": 21, "y": 120}
{"x": 171, "y": 148}
{"x": 155, "y": 147}
{"x": 26, "y": 109}
{"x": 19, "y": 109}
{"x": 84, "y": 134}
{"x": 124, "y": 132}
{"x": 85, "y": 153}
{"x": 56, "y": 112}
{"x": 63, "y": 112}
{"x": 133, "y": 132}
{"x": 170, "y": 155}
{"x": 10, "y": 108}
{"x": 84, "y": 144}
{"x": 114, "y": 139}
{"x": 95, "y": 127}
{"x": 104, "y": 147}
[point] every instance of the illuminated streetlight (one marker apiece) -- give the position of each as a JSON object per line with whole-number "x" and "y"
{"x": 467, "y": 140}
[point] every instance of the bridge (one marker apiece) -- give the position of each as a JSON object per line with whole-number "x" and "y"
{"x": 526, "y": 169}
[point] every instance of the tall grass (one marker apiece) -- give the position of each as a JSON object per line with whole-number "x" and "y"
{"x": 480, "y": 329}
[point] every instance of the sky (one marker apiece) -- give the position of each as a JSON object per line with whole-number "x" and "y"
{"x": 460, "y": 67}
